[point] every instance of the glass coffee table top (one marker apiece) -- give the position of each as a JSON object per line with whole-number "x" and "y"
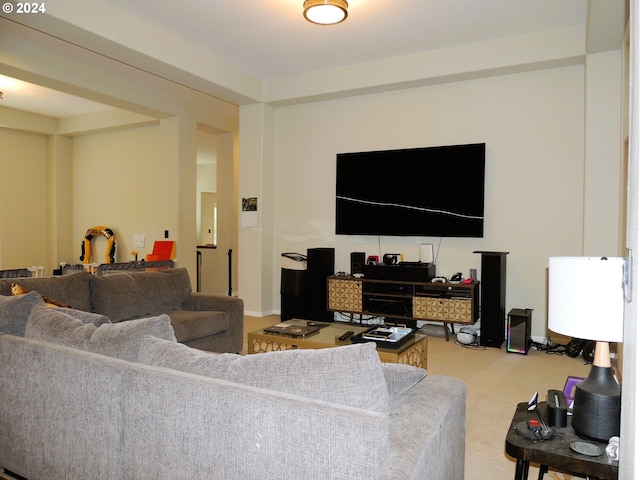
{"x": 328, "y": 335}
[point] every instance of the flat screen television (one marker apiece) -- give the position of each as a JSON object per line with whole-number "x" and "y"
{"x": 424, "y": 192}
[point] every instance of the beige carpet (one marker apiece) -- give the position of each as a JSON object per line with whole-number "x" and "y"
{"x": 496, "y": 381}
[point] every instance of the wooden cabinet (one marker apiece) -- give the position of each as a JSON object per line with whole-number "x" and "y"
{"x": 344, "y": 294}
{"x": 447, "y": 302}
{"x": 403, "y": 300}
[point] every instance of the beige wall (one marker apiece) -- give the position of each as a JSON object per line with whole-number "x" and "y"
{"x": 126, "y": 180}
{"x": 24, "y": 235}
{"x": 133, "y": 177}
{"x": 54, "y": 188}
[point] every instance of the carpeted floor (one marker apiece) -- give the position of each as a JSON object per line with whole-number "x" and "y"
{"x": 496, "y": 381}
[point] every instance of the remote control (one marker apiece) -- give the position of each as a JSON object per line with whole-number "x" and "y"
{"x": 345, "y": 335}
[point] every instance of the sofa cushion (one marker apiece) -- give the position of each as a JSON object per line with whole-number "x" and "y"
{"x": 177, "y": 356}
{"x": 73, "y": 289}
{"x": 121, "y": 340}
{"x": 401, "y": 378}
{"x": 15, "y": 311}
{"x": 126, "y": 295}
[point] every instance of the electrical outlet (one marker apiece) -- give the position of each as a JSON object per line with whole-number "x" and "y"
{"x": 138, "y": 240}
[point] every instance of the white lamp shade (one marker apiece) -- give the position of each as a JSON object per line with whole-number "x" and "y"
{"x": 586, "y": 297}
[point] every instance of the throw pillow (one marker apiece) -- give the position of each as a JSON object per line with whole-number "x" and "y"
{"x": 123, "y": 339}
{"x": 348, "y": 375}
{"x": 17, "y": 290}
{"x": 14, "y": 312}
{"x": 52, "y": 325}
{"x": 177, "y": 356}
{"x": 87, "y": 317}
{"x": 120, "y": 340}
{"x": 401, "y": 378}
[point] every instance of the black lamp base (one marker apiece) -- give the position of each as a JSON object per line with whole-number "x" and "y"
{"x": 596, "y": 408}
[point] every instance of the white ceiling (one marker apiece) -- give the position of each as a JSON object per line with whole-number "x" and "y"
{"x": 269, "y": 39}
{"x": 44, "y": 101}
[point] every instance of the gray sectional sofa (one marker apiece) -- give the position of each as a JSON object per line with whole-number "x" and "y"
{"x": 83, "y": 398}
{"x": 204, "y": 321}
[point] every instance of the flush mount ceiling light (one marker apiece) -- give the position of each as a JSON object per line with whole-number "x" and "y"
{"x": 325, "y": 12}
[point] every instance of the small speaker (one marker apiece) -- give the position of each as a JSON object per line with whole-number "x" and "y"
{"x": 426, "y": 253}
{"x": 357, "y": 262}
{"x": 519, "y": 330}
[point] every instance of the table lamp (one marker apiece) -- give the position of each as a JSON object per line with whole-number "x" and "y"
{"x": 586, "y": 301}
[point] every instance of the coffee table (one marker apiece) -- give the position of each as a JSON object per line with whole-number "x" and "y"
{"x": 414, "y": 352}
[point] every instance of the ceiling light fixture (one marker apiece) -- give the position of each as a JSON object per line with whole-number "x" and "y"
{"x": 325, "y": 12}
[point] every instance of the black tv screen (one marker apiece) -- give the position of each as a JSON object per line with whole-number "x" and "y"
{"x": 424, "y": 192}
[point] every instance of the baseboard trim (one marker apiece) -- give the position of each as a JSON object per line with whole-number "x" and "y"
{"x": 250, "y": 313}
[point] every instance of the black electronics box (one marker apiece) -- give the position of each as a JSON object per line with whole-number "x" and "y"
{"x": 381, "y": 342}
{"x": 423, "y": 272}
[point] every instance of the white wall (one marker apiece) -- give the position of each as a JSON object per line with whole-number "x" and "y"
{"x": 533, "y": 125}
{"x": 603, "y": 158}
{"x": 257, "y": 262}
{"x": 630, "y": 424}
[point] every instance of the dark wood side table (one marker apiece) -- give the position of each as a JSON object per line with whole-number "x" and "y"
{"x": 555, "y": 452}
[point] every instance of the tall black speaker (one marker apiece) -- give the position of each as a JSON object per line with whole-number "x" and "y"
{"x": 493, "y": 286}
{"x": 292, "y": 294}
{"x": 320, "y": 265}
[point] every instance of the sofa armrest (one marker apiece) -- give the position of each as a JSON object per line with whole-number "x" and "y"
{"x": 232, "y": 306}
{"x": 427, "y": 432}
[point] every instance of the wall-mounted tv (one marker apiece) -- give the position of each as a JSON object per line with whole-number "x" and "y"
{"x": 424, "y": 192}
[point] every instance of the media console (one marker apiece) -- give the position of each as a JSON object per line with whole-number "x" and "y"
{"x": 404, "y": 301}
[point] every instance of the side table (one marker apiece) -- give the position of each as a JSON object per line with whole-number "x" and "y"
{"x": 555, "y": 452}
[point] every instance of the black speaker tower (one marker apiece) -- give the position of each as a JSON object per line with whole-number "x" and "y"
{"x": 320, "y": 265}
{"x": 493, "y": 287}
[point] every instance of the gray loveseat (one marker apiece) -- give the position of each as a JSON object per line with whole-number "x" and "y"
{"x": 173, "y": 412}
{"x": 204, "y": 321}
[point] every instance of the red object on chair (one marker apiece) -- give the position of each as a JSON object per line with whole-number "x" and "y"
{"x": 162, "y": 250}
